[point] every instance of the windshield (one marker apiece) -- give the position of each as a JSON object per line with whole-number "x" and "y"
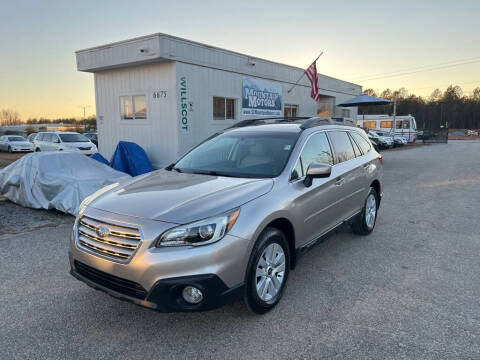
{"x": 16, "y": 138}
{"x": 73, "y": 138}
{"x": 240, "y": 154}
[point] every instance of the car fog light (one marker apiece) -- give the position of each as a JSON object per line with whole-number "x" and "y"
{"x": 192, "y": 295}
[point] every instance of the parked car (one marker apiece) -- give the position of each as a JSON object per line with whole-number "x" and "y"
{"x": 230, "y": 218}
{"x": 64, "y": 141}
{"x": 93, "y": 137}
{"x": 398, "y": 140}
{"x": 14, "y": 143}
{"x": 375, "y": 144}
{"x": 383, "y": 142}
{"x": 31, "y": 137}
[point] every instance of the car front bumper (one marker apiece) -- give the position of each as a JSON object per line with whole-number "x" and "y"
{"x": 155, "y": 277}
{"x": 22, "y": 149}
{"x": 166, "y": 294}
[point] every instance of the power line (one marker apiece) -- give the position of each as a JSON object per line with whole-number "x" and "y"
{"x": 417, "y": 67}
{"x": 420, "y": 69}
{"x": 438, "y": 86}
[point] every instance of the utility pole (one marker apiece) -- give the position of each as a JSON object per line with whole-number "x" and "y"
{"x": 84, "y": 107}
{"x": 394, "y": 125}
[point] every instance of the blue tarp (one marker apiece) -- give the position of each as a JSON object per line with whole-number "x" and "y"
{"x": 99, "y": 157}
{"x": 130, "y": 158}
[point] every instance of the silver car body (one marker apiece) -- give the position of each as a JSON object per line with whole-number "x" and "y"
{"x": 52, "y": 141}
{"x": 19, "y": 145}
{"x": 150, "y": 204}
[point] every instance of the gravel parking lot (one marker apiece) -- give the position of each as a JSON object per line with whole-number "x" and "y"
{"x": 410, "y": 290}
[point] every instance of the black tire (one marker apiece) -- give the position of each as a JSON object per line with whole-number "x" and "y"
{"x": 360, "y": 225}
{"x": 37, "y": 150}
{"x": 254, "y": 302}
{"x": 9, "y": 149}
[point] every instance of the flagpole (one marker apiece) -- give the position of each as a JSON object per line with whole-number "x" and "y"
{"x": 300, "y": 78}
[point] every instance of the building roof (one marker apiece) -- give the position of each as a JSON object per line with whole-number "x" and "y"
{"x": 159, "y": 47}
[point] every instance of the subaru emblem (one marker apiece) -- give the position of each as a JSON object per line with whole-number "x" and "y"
{"x": 103, "y": 231}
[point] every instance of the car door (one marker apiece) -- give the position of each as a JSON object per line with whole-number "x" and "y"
{"x": 55, "y": 142}
{"x": 313, "y": 210}
{"x": 348, "y": 173}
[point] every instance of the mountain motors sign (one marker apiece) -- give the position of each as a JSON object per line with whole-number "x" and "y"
{"x": 261, "y": 97}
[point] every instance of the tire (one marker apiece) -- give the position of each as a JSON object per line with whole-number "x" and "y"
{"x": 263, "y": 292}
{"x": 37, "y": 150}
{"x": 365, "y": 223}
{"x": 9, "y": 149}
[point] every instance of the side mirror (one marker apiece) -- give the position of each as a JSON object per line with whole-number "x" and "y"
{"x": 316, "y": 170}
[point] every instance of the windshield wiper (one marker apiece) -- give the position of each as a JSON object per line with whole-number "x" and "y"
{"x": 211, "y": 172}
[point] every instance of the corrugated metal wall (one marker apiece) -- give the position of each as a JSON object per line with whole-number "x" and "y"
{"x": 158, "y": 134}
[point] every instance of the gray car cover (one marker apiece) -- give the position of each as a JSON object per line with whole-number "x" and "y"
{"x": 55, "y": 180}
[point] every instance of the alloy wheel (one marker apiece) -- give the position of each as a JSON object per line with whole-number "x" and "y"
{"x": 370, "y": 211}
{"x": 270, "y": 272}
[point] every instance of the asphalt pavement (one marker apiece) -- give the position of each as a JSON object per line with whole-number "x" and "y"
{"x": 410, "y": 290}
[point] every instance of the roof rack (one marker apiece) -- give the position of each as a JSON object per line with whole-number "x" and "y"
{"x": 317, "y": 121}
{"x": 308, "y": 123}
{"x": 268, "y": 120}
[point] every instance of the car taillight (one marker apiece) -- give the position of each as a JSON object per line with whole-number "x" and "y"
{"x": 380, "y": 158}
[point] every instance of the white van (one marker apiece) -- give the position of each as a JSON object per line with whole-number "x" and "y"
{"x": 406, "y": 125}
{"x": 64, "y": 141}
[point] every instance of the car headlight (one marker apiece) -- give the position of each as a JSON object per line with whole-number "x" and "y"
{"x": 201, "y": 232}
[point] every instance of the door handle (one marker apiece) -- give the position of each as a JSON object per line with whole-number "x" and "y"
{"x": 339, "y": 181}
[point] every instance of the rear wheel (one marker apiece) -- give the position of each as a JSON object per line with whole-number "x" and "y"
{"x": 365, "y": 223}
{"x": 37, "y": 150}
{"x": 267, "y": 271}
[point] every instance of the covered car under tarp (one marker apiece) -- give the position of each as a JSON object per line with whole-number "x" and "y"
{"x": 55, "y": 180}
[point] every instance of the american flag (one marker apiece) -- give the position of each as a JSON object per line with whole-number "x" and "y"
{"x": 311, "y": 73}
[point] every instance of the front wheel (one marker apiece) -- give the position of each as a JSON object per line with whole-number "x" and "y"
{"x": 37, "y": 150}
{"x": 267, "y": 271}
{"x": 365, "y": 223}
{"x": 9, "y": 149}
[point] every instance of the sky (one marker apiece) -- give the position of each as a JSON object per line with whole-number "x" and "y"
{"x": 364, "y": 42}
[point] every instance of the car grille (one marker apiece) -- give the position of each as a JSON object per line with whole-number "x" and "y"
{"x": 117, "y": 242}
{"x": 84, "y": 148}
{"x": 111, "y": 282}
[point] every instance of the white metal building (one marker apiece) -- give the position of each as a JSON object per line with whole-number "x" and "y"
{"x": 168, "y": 94}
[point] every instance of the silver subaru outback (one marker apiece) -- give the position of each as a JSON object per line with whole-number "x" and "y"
{"x": 230, "y": 218}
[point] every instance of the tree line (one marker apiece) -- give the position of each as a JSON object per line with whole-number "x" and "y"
{"x": 450, "y": 108}
{"x": 10, "y": 117}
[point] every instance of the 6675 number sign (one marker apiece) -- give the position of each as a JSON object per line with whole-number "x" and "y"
{"x": 160, "y": 94}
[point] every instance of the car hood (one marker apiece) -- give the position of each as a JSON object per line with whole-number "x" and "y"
{"x": 20, "y": 143}
{"x": 180, "y": 197}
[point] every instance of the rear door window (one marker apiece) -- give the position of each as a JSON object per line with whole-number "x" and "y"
{"x": 356, "y": 149}
{"x": 342, "y": 145}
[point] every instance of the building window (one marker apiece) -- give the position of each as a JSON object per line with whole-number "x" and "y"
{"x": 223, "y": 108}
{"x": 386, "y": 124}
{"x": 370, "y": 124}
{"x": 290, "y": 110}
{"x": 345, "y": 113}
{"x": 133, "y": 107}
